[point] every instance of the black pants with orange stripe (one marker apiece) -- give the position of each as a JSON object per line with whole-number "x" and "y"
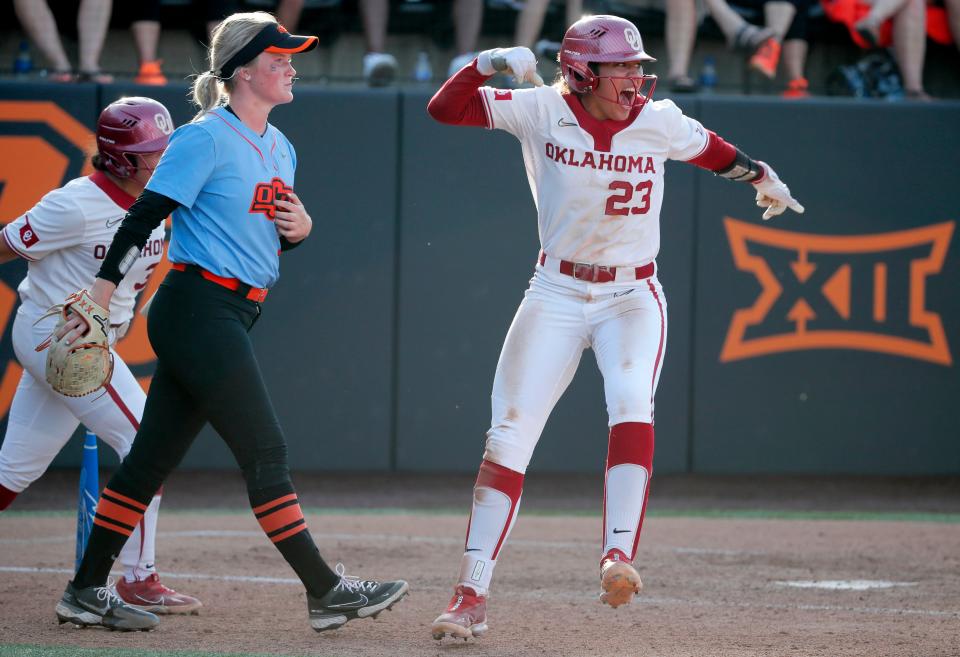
{"x": 206, "y": 372}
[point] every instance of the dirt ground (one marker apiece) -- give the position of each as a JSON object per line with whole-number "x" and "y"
{"x": 714, "y": 587}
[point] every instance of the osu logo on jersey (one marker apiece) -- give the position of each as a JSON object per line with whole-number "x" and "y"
{"x": 264, "y": 197}
{"x": 864, "y": 292}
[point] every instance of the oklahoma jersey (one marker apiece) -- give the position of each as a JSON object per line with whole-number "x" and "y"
{"x": 65, "y": 237}
{"x": 597, "y": 185}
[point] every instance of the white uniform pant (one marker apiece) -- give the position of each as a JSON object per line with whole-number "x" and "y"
{"x": 41, "y": 422}
{"x": 625, "y": 322}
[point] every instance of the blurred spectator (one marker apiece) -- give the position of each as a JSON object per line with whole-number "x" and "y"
{"x": 880, "y": 23}
{"x": 681, "y": 31}
{"x": 93, "y": 17}
{"x": 288, "y": 13}
{"x": 681, "y": 34}
{"x": 783, "y": 32}
{"x": 380, "y": 67}
{"x": 145, "y": 27}
{"x": 530, "y": 23}
{"x": 943, "y": 21}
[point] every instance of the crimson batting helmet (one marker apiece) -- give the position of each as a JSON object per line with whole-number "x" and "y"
{"x": 128, "y": 127}
{"x": 597, "y": 40}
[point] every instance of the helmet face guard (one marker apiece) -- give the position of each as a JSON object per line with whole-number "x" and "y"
{"x": 638, "y": 83}
{"x": 603, "y": 40}
{"x": 128, "y": 128}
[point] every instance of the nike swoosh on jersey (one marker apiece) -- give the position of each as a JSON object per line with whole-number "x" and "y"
{"x": 113, "y": 222}
{"x": 566, "y": 124}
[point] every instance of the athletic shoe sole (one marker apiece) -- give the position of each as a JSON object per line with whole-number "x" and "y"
{"x": 440, "y": 630}
{"x": 620, "y": 582}
{"x": 333, "y": 621}
{"x": 67, "y": 613}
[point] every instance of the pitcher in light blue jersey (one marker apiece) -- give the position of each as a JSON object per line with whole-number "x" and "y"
{"x": 228, "y": 179}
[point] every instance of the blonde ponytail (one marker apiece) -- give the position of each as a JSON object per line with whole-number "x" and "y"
{"x": 209, "y": 90}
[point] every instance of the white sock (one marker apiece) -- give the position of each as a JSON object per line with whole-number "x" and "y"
{"x": 138, "y": 553}
{"x": 496, "y": 498}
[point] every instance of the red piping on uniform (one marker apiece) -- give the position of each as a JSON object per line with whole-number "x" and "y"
{"x": 239, "y": 133}
{"x": 115, "y": 396}
{"x": 508, "y": 482}
{"x": 14, "y": 248}
{"x": 117, "y": 195}
{"x": 656, "y": 363}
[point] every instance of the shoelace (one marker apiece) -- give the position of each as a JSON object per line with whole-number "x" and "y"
{"x": 353, "y": 583}
{"x": 106, "y": 594}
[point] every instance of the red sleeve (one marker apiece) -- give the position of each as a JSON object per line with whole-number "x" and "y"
{"x": 458, "y": 101}
{"x": 718, "y": 154}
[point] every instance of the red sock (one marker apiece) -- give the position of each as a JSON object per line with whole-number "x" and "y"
{"x": 6, "y": 497}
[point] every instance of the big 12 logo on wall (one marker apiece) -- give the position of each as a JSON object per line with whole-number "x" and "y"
{"x": 43, "y": 147}
{"x": 861, "y": 292}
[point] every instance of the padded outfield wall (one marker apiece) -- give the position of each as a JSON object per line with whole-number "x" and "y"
{"x": 822, "y": 343}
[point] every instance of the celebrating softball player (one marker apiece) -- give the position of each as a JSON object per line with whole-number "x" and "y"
{"x": 594, "y": 146}
{"x": 64, "y": 238}
{"x": 228, "y": 178}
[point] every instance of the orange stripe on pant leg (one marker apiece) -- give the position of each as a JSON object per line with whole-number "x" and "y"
{"x": 273, "y": 503}
{"x": 290, "y": 532}
{"x": 112, "y": 527}
{"x": 124, "y": 498}
{"x": 285, "y": 516}
{"x": 119, "y": 513}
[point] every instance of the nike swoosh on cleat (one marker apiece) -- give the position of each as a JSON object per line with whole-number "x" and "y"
{"x": 620, "y": 531}
{"x": 362, "y": 600}
{"x": 473, "y": 550}
{"x": 158, "y": 601}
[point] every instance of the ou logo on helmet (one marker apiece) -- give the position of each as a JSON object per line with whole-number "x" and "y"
{"x": 163, "y": 123}
{"x": 632, "y": 37}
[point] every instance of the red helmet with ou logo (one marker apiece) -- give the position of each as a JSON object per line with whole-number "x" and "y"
{"x": 600, "y": 39}
{"x": 128, "y": 127}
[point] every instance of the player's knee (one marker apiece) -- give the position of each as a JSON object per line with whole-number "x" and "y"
{"x": 268, "y": 470}
{"x": 630, "y": 403}
{"x": 138, "y": 484}
{"x": 506, "y": 449}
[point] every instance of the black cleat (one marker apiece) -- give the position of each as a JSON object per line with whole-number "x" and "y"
{"x": 98, "y": 605}
{"x": 352, "y": 598}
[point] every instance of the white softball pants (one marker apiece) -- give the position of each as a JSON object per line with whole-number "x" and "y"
{"x": 624, "y": 322}
{"x": 41, "y": 422}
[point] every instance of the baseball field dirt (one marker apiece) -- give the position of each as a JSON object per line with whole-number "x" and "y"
{"x": 731, "y": 567}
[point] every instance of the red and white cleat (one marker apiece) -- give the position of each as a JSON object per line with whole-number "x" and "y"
{"x": 465, "y": 617}
{"x": 151, "y": 595}
{"x": 618, "y": 579}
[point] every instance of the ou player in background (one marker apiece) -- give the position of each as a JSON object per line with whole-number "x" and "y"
{"x": 594, "y": 146}
{"x": 64, "y": 239}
